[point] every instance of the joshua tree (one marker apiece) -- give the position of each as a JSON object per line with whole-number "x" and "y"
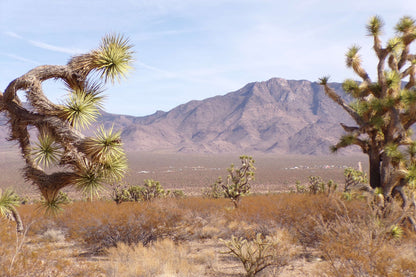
{"x": 238, "y": 180}
{"x": 383, "y": 109}
{"x": 76, "y": 160}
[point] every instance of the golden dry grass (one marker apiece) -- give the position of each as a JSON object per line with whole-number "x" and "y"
{"x": 181, "y": 237}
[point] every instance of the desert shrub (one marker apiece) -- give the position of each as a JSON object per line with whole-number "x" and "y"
{"x": 102, "y": 224}
{"x": 300, "y": 188}
{"x": 53, "y": 235}
{"x": 149, "y": 191}
{"x": 135, "y": 193}
{"x": 297, "y": 212}
{"x": 161, "y": 258}
{"x": 365, "y": 248}
{"x": 119, "y": 194}
{"x": 214, "y": 191}
{"x": 261, "y": 252}
{"x": 99, "y": 225}
{"x": 354, "y": 179}
{"x": 152, "y": 190}
{"x": 317, "y": 185}
{"x": 177, "y": 193}
{"x": 25, "y": 255}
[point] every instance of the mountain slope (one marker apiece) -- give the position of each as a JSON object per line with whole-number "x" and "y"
{"x": 275, "y": 116}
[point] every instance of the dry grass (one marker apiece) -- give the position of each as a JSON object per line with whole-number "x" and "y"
{"x": 161, "y": 258}
{"x": 181, "y": 237}
{"x": 28, "y": 255}
{"x": 365, "y": 248}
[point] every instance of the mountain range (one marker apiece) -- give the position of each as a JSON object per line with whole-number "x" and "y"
{"x": 274, "y": 116}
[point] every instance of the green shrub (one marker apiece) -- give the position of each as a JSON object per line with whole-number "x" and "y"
{"x": 149, "y": 191}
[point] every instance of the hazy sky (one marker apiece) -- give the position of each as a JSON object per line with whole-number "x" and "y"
{"x": 192, "y": 49}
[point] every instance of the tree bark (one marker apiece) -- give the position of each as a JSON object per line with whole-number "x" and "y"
{"x": 17, "y": 219}
{"x": 374, "y": 161}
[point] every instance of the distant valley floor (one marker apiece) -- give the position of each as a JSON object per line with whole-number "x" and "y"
{"x": 194, "y": 172}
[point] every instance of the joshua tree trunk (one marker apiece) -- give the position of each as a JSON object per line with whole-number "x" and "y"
{"x": 374, "y": 163}
{"x": 17, "y": 219}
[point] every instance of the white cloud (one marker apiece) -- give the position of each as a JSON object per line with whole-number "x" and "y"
{"x": 12, "y": 34}
{"x": 54, "y": 48}
{"x": 20, "y": 58}
{"x": 45, "y": 46}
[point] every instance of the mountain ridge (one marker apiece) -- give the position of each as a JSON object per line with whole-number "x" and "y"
{"x": 273, "y": 116}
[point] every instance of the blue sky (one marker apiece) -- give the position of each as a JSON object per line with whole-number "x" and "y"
{"x": 192, "y": 49}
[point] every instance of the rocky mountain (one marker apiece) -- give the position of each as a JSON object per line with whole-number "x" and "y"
{"x": 278, "y": 116}
{"x": 275, "y": 116}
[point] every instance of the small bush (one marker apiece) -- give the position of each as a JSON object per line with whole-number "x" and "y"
{"x": 54, "y": 235}
{"x": 317, "y": 185}
{"x": 149, "y": 191}
{"x": 215, "y": 191}
{"x": 261, "y": 252}
{"x": 354, "y": 179}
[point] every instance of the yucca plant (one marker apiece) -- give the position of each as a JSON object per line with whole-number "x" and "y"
{"x": 384, "y": 108}
{"x": 8, "y": 203}
{"x": 87, "y": 163}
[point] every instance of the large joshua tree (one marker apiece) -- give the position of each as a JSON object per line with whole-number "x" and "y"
{"x": 61, "y": 155}
{"x": 383, "y": 109}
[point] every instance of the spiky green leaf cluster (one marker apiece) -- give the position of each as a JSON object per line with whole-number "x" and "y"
{"x": 114, "y": 57}
{"x": 352, "y": 57}
{"x": 82, "y": 107}
{"x": 408, "y": 97}
{"x": 238, "y": 180}
{"x": 324, "y": 80}
{"x": 8, "y": 201}
{"x": 375, "y": 26}
{"x": 105, "y": 145}
{"x": 395, "y": 45}
{"x": 114, "y": 169}
{"x": 55, "y": 205}
{"x": 351, "y": 87}
{"x": 46, "y": 151}
{"x": 90, "y": 182}
{"x": 360, "y": 107}
{"x": 392, "y": 150}
{"x": 406, "y": 25}
{"x": 108, "y": 162}
{"x": 393, "y": 79}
